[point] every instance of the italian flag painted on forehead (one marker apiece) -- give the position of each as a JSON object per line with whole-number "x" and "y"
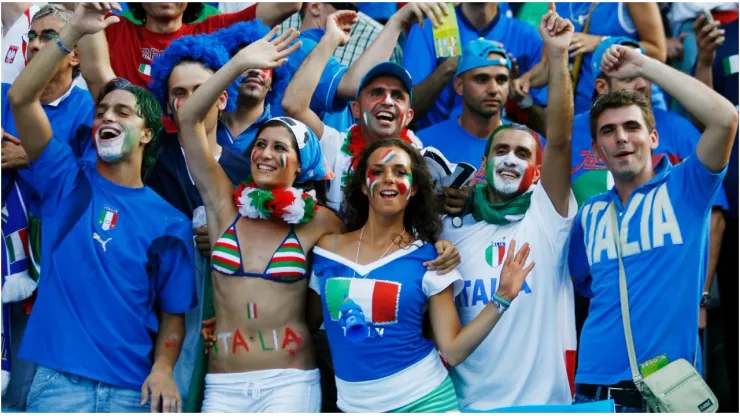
{"x": 388, "y": 156}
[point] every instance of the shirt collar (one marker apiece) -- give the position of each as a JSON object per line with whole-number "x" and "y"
{"x": 485, "y": 29}
{"x": 314, "y": 34}
{"x": 59, "y": 100}
{"x": 661, "y": 171}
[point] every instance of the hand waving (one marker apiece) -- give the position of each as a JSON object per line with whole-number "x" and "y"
{"x": 340, "y": 24}
{"x": 436, "y": 12}
{"x": 622, "y": 62}
{"x": 268, "y": 54}
{"x": 89, "y": 18}
{"x": 556, "y": 32}
{"x": 513, "y": 272}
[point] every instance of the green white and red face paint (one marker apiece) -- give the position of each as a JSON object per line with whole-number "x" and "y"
{"x": 283, "y": 160}
{"x": 112, "y": 150}
{"x": 509, "y": 186}
{"x": 176, "y": 103}
{"x": 404, "y": 186}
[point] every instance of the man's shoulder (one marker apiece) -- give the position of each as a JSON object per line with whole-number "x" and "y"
{"x": 437, "y": 128}
{"x": 168, "y": 218}
{"x": 517, "y": 28}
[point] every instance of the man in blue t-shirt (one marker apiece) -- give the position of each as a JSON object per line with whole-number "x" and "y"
{"x": 435, "y": 99}
{"x": 108, "y": 322}
{"x": 482, "y": 80}
{"x": 662, "y": 215}
{"x": 717, "y": 66}
{"x": 677, "y": 138}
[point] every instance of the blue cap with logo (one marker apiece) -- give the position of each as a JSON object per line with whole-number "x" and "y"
{"x": 390, "y": 69}
{"x": 605, "y": 45}
{"x": 475, "y": 55}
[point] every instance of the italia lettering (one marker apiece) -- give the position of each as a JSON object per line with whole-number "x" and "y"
{"x": 475, "y": 292}
{"x": 233, "y": 342}
{"x": 658, "y": 226}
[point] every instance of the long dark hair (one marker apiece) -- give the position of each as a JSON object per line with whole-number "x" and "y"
{"x": 422, "y": 215}
{"x": 191, "y": 14}
{"x": 319, "y": 186}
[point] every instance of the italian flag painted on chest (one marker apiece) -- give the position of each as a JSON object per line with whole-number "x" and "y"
{"x": 378, "y": 298}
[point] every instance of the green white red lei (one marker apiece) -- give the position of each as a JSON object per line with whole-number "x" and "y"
{"x": 293, "y": 205}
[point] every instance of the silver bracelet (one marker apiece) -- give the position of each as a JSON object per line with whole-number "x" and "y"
{"x": 62, "y": 47}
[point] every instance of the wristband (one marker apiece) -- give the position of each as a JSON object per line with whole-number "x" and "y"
{"x": 65, "y": 50}
{"x": 500, "y": 304}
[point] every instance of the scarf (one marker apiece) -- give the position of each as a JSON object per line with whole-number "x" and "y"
{"x": 499, "y": 213}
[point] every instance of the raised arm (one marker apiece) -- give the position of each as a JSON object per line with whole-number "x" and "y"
{"x": 10, "y": 12}
{"x": 34, "y": 130}
{"x": 297, "y": 97}
{"x": 711, "y": 109}
{"x": 556, "y": 33}
{"x": 649, "y": 26}
{"x": 380, "y": 50}
{"x": 95, "y": 65}
{"x": 274, "y": 13}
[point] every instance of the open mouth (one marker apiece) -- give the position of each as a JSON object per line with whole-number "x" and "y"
{"x": 389, "y": 194}
{"x": 108, "y": 132}
{"x": 622, "y": 154}
{"x": 385, "y": 116}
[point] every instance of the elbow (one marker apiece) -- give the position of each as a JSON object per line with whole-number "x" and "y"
{"x": 451, "y": 359}
{"x": 718, "y": 224}
{"x": 292, "y": 107}
{"x": 16, "y": 96}
{"x": 732, "y": 116}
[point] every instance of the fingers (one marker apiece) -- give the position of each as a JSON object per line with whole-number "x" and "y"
{"x": 551, "y": 6}
{"x": 510, "y": 254}
{"x": 438, "y": 10}
{"x": 522, "y": 254}
{"x": 528, "y": 269}
{"x": 699, "y": 22}
{"x": 155, "y": 399}
{"x": 144, "y": 393}
{"x": 282, "y": 41}
{"x": 111, "y": 20}
{"x": 419, "y": 15}
{"x": 272, "y": 33}
{"x": 283, "y": 55}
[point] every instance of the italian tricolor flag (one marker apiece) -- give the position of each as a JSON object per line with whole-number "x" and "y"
{"x": 145, "y": 69}
{"x": 730, "y": 65}
{"x": 107, "y": 219}
{"x": 378, "y": 299}
{"x": 17, "y": 244}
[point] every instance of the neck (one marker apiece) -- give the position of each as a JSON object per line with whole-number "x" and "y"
{"x": 480, "y": 14}
{"x": 57, "y": 87}
{"x": 496, "y": 197}
{"x": 163, "y": 26}
{"x": 246, "y": 113}
{"x": 370, "y": 137}
{"x": 625, "y": 188}
{"x": 477, "y": 125}
{"x": 125, "y": 173}
{"x": 379, "y": 229}
{"x": 309, "y": 23}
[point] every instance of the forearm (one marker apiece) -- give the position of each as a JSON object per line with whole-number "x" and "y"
{"x": 169, "y": 341}
{"x": 709, "y": 107}
{"x": 470, "y": 336}
{"x": 95, "y": 62}
{"x": 559, "y": 101}
{"x": 716, "y": 232}
{"x": 703, "y": 73}
{"x": 376, "y": 53}
{"x": 11, "y": 12}
{"x": 427, "y": 91}
{"x": 654, "y": 50}
{"x": 273, "y": 14}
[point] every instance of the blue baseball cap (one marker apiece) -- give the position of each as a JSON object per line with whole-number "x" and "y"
{"x": 605, "y": 45}
{"x": 475, "y": 55}
{"x": 390, "y": 69}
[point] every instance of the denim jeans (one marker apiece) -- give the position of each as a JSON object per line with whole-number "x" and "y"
{"x": 56, "y": 391}
{"x": 579, "y": 398}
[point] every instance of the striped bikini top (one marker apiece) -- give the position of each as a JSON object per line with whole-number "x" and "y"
{"x": 287, "y": 265}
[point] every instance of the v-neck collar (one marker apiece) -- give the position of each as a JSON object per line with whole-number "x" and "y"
{"x": 365, "y": 269}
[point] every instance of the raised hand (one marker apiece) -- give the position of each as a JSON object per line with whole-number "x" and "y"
{"x": 708, "y": 38}
{"x": 622, "y": 62}
{"x": 340, "y": 24}
{"x": 89, "y": 18}
{"x": 436, "y": 12}
{"x": 513, "y": 272}
{"x": 268, "y": 54}
{"x": 556, "y": 32}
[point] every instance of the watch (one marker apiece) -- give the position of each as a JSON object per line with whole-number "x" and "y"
{"x": 704, "y": 300}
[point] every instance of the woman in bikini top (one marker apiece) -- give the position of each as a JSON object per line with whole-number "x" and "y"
{"x": 262, "y": 233}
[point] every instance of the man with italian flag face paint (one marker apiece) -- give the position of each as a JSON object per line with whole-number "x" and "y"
{"x": 525, "y": 197}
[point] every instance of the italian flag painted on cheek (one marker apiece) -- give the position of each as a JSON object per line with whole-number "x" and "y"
{"x": 405, "y": 186}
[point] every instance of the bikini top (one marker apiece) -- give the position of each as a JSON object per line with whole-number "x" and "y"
{"x": 287, "y": 265}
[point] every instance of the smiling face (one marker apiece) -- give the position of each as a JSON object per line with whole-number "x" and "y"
{"x": 118, "y": 131}
{"x": 184, "y": 79}
{"x": 274, "y": 158}
{"x": 389, "y": 180}
{"x": 511, "y": 166}
{"x": 624, "y": 143}
{"x": 255, "y": 84}
{"x": 383, "y": 108}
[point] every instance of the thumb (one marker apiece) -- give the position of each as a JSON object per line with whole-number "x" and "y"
{"x": 144, "y": 393}
{"x": 111, "y": 20}
{"x": 682, "y": 36}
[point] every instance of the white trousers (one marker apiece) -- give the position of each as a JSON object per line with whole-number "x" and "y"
{"x": 284, "y": 390}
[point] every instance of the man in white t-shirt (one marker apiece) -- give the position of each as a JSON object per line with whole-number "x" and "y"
{"x": 526, "y": 198}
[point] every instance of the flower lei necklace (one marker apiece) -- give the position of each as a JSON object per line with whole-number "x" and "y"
{"x": 354, "y": 144}
{"x": 293, "y": 205}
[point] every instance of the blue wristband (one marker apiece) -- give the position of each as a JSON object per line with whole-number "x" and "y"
{"x": 62, "y": 47}
{"x": 501, "y": 301}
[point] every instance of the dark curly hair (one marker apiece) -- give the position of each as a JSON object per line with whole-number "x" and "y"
{"x": 422, "y": 215}
{"x": 202, "y": 49}
{"x": 240, "y": 35}
{"x": 148, "y": 109}
{"x": 319, "y": 186}
{"x": 192, "y": 12}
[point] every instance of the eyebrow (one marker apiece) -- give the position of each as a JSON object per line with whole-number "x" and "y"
{"x": 103, "y": 106}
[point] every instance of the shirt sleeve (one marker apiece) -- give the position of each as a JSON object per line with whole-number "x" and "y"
{"x": 555, "y": 227}
{"x": 433, "y": 282}
{"x": 331, "y": 142}
{"x": 419, "y": 60}
{"x": 220, "y": 21}
{"x": 171, "y": 260}
{"x": 578, "y": 266}
{"x": 696, "y": 184}
{"x": 325, "y": 97}
{"x": 55, "y": 172}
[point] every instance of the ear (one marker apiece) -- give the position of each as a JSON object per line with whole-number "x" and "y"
{"x": 409, "y": 116}
{"x": 222, "y": 101}
{"x": 146, "y": 137}
{"x": 537, "y": 173}
{"x": 601, "y": 86}
{"x": 363, "y": 187}
{"x": 74, "y": 58}
{"x": 654, "y": 140}
{"x": 458, "y": 85}
{"x": 314, "y": 9}
{"x": 355, "y": 107}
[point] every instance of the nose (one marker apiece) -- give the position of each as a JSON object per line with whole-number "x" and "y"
{"x": 620, "y": 135}
{"x": 388, "y": 100}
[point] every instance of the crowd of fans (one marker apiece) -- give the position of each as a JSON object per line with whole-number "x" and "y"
{"x": 187, "y": 186}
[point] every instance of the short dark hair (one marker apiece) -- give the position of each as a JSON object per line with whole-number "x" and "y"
{"x": 619, "y": 99}
{"x": 422, "y": 215}
{"x": 520, "y": 127}
{"x": 192, "y": 12}
{"x": 147, "y": 108}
